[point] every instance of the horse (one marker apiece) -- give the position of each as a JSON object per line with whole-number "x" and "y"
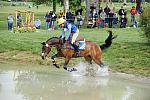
{"x": 92, "y": 51}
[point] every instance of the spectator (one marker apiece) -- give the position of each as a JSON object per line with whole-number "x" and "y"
{"x": 133, "y": 12}
{"x": 79, "y": 20}
{"x": 132, "y": 1}
{"x": 115, "y": 18}
{"x": 95, "y": 15}
{"x": 123, "y": 21}
{"x": 29, "y": 6}
{"x": 100, "y": 10}
{"x": 79, "y": 10}
{"x": 37, "y": 23}
{"x": 10, "y": 22}
{"x": 107, "y": 10}
{"x": 53, "y": 19}
{"x": 73, "y": 17}
{"x": 69, "y": 16}
{"x": 102, "y": 16}
{"x": 37, "y": 7}
{"x": 90, "y": 23}
{"x": 140, "y": 10}
{"x": 19, "y": 20}
{"x": 110, "y": 14}
{"x": 50, "y": 15}
{"x": 47, "y": 19}
{"x": 122, "y": 12}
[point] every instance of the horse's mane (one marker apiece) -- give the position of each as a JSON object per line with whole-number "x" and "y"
{"x": 52, "y": 38}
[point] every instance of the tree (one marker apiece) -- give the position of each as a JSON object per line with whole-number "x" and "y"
{"x": 38, "y": 2}
{"x": 54, "y": 5}
{"x": 66, "y": 5}
{"x": 74, "y": 4}
{"x": 88, "y": 7}
{"x": 145, "y": 22}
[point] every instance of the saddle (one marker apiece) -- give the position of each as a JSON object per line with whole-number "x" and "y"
{"x": 80, "y": 42}
{"x": 81, "y": 45}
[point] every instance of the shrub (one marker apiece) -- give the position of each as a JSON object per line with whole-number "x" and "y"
{"x": 145, "y": 22}
{"x": 24, "y": 29}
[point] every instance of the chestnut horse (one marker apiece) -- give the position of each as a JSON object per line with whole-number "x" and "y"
{"x": 91, "y": 52}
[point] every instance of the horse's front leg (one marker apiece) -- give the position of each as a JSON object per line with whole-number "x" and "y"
{"x": 53, "y": 60}
{"x": 65, "y": 65}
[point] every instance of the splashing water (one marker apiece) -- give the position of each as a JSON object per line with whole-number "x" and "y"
{"x": 86, "y": 69}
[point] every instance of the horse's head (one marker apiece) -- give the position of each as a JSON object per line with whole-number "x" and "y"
{"x": 45, "y": 49}
{"x": 46, "y": 46}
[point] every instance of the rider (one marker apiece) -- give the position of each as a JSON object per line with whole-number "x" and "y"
{"x": 72, "y": 31}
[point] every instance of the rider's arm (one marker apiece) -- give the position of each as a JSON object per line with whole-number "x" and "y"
{"x": 69, "y": 32}
{"x": 62, "y": 34}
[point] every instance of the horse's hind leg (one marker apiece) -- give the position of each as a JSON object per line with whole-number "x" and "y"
{"x": 66, "y": 63}
{"x": 88, "y": 59}
{"x": 98, "y": 61}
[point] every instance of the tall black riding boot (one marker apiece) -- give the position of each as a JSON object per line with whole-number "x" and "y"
{"x": 76, "y": 48}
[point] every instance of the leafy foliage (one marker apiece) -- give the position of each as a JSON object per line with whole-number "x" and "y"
{"x": 38, "y": 2}
{"x": 24, "y": 29}
{"x": 74, "y": 4}
{"x": 145, "y": 22}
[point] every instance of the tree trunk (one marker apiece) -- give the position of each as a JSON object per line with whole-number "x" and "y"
{"x": 88, "y": 7}
{"x": 66, "y": 6}
{"x": 54, "y": 5}
{"x": 87, "y": 11}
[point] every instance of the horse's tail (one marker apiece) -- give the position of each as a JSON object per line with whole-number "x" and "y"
{"x": 108, "y": 41}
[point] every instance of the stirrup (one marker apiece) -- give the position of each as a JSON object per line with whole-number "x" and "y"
{"x": 64, "y": 45}
{"x": 77, "y": 53}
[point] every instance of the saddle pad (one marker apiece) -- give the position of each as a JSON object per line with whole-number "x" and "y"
{"x": 82, "y": 45}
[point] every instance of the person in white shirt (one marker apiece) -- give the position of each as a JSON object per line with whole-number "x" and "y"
{"x": 103, "y": 15}
{"x": 10, "y": 20}
{"x": 37, "y": 23}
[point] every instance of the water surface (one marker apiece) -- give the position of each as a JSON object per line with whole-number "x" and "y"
{"x": 57, "y": 84}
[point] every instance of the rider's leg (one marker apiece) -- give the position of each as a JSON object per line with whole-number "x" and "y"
{"x": 74, "y": 37}
{"x": 75, "y": 47}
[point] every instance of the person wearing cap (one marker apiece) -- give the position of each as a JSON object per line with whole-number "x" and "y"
{"x": 10, "y": 20}
{"x": 72, "y": 32}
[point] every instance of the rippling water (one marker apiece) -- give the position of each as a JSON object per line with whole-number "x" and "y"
{"x": 57, "y": 84}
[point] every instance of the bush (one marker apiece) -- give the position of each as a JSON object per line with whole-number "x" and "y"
{"x": 24, "y": 29}
{"x": 145, "y": 22}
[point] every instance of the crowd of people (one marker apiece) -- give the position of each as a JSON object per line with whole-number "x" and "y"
{"x": 107, "y": 17}
{"x": 102, "y": 18}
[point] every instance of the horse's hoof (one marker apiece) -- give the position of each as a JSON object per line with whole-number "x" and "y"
{"x": 73, "y": 69}
{"x": 57, "y": 67}
{"x": 65, "y": 68}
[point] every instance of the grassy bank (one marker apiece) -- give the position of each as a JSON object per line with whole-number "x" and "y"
{"x": 129, "y": 52}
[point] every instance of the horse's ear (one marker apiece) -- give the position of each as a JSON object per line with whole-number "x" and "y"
{"x": 43, "y": 43}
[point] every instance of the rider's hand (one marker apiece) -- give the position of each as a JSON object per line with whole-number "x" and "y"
{"x": 64, "y": 41}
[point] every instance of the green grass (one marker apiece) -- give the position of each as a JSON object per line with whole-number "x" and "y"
{"x": 129, "y": 53}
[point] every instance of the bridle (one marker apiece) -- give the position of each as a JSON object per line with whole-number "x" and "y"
{"x": 50, "y": 46}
